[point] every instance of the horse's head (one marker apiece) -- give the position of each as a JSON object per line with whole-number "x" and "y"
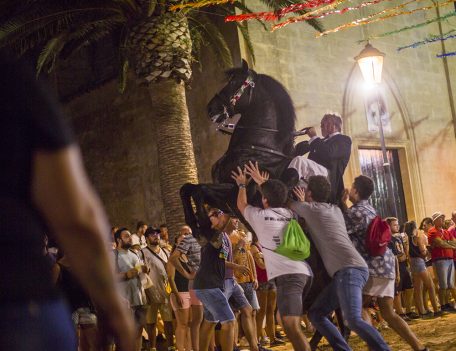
{"x": 235, "y": 95}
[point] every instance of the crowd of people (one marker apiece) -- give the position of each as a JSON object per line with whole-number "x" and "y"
{"x": 232, "y": 284}
{"x": 231, "y": 288}
{"x": 200, "y": 293}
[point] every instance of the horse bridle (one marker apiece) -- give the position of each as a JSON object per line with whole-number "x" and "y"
{"x": 228, "y": 105}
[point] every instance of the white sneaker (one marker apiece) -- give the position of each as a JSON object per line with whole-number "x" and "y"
{"x": 264, "y": 341}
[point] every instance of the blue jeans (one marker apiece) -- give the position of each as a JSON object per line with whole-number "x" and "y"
{"x": 37, "y": 326}
{"x": 445, "y": 273}
{"x": 235, "y": 295}
{"x": 345, "y": 292}
{"x": 216, "y": 306}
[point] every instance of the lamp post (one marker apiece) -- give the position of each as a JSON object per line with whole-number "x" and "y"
{"x": 370, "y": 62}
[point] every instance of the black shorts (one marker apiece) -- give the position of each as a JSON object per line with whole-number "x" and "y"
{"x": 406, "y": 278}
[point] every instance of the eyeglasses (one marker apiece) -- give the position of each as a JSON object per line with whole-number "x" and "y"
{"x": 216, "y": 213}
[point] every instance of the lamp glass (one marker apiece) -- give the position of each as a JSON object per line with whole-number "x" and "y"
{"x": 371, "y": 68}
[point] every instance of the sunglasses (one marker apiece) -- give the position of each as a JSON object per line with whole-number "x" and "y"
{"x": 216, "y": 214}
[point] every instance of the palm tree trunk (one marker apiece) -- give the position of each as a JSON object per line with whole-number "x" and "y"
{"x": 176, "y": 159}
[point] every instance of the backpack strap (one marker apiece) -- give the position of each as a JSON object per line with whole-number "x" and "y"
{"x": 117, "y": 260}
{"x": 292, "y": 217}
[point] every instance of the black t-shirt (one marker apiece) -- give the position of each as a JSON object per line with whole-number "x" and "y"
{"x": 31, "y": 120}
{"x": 396, "y": 245}
{"x": 211, "y": 274}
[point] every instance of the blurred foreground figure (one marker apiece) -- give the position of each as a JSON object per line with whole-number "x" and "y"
{"x": 44, "y": 189}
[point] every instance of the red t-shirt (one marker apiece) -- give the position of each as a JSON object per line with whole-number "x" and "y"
{"x": 438, "y": 252}
{"x": 452, "y": 231}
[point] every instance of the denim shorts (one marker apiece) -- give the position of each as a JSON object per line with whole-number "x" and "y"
{"x": 250, "y": 295}
{"x": 417, "y": 264}
{"x": 445, "y": 272}
{"x": 269, "y": 285}
{"x": 235, "y": 294}
{"x": 292, "y": 289}
{"x": 216, "y": 306}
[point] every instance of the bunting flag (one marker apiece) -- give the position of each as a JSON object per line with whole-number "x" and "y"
{"x": 403, "y": 29}
{"x": 430, "y": 39}
{"x": 370, "y": 19}
{"x": 446, "y": 54}
{"x": 313, "y": 14}
{"x": 308, "y": 15}
{"x": 198, "y": 4}
{"x": 273, "y": 16}
{"x": 276, "y": 15}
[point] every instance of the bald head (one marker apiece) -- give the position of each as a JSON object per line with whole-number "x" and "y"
{"x": 185, "y": 229}
{"x": 453, "y": 216}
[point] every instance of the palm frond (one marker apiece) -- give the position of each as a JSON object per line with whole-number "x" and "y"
{"x": 210, "y": 35}
{"x": 241, "y": 6}
{"x": 244, "y": 29}
{"x": 26, "y": 30}
{"x": 123, "y": 74}
{"x": 91, "y": 32}
{"x": 50, "y": 52}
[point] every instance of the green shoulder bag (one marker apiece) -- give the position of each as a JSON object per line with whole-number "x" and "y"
{"x": 295, "y": 244}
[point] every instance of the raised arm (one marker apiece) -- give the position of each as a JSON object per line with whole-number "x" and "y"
{"x": 241, "y": 181}
{"x": 62, "y": 193}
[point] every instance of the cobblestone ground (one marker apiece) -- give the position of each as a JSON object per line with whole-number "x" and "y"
{"x": 438, "y": 334}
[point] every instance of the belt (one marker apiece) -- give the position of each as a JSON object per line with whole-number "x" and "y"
{"x": 442, "y": 259}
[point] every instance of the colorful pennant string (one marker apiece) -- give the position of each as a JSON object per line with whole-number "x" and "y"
{"x": 273, "y": 16}
{"x": 276, "y": 15}
{"x": 198, "y": 4}
{"x": 370, "y": 19}
{"x": 431, "y": 39}
{"x": 308, "y": 15}
{"x": 311, "y": 14}
{"x": 446, "y": 54}
{"x": 422, "y": 24}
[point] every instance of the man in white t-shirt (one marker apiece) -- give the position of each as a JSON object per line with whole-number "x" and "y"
{"x": 292, "y": 278}
{"x": 139, "y": 236}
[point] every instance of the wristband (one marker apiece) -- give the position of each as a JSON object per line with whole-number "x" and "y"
{"x": 241, "y": 186}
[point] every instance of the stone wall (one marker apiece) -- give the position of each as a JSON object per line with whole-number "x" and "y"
{"x": 318, "y": 72}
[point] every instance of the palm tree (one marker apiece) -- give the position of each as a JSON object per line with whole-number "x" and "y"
{"x": 159, "y": 44}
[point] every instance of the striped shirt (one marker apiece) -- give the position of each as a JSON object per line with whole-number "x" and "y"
{"x": 190, "y": 247}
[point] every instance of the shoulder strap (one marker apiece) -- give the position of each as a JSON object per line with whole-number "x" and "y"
{"x": 281, "y": 214}
{"x": 117, "y": 259}
{"x": 153, "y": 253}
{"x": 144, "y": 257}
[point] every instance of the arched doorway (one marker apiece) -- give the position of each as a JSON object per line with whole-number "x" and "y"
{"x": 400, "y": 142}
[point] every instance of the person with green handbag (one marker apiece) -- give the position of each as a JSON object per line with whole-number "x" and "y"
{"x": 292, "y": 276}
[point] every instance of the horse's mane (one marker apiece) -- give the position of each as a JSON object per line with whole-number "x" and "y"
{"x": 282, "y": 100}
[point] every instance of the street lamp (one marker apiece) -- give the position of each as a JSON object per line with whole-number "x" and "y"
{"x": 370, "y": 62}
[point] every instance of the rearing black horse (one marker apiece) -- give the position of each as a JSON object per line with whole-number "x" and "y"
{"x": 264, "y": 133}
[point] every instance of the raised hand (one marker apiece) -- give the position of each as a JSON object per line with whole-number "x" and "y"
{"x": 299, "y": 193}
{"x": 240, "y": 176}
{"x": 253, "y": 170}
{"x": 311, "y": 132}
